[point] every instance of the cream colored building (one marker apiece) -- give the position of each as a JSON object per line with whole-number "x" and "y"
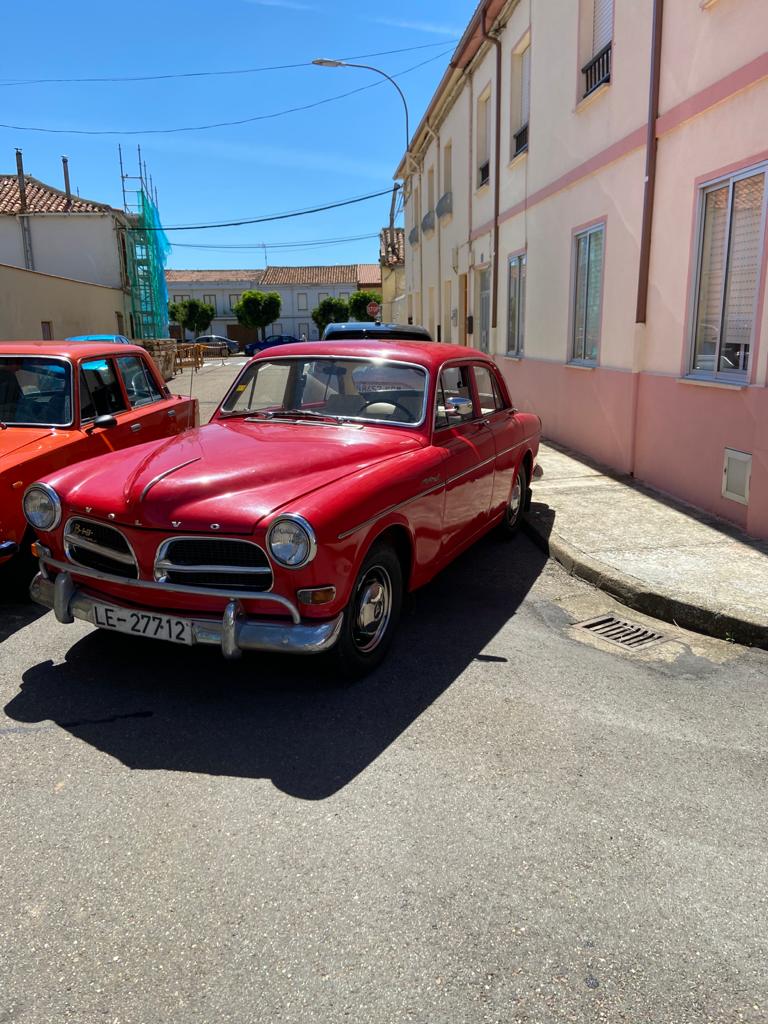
{"x": 623, "y": 300}
{"x": 36, "y": 306}
{"x": 392, "y": 260}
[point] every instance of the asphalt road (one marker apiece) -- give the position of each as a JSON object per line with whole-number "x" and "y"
{"x": 511, "y": 821}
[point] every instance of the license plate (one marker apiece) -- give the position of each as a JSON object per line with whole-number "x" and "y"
{"x": 123, "y": 620}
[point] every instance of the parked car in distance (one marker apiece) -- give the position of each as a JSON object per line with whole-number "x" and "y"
{"x": 62, "y": 402}
{"x": 359, "y": 330}
{"x": 217, "y": 339}
{"x": 115, "y": 339}
{"x": 331, "y": 480}
{"x": 252, "y": 347}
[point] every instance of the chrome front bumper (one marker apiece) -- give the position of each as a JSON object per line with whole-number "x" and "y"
{"x": 234, "y": 632}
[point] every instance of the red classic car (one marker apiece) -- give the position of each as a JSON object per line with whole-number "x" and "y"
{"x": 331, "y": 479}
{"x": 61, "y": 402}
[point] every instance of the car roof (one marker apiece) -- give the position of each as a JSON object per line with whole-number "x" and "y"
{"x": 66, "y": 349}
{"x": 373, "y": 327}
{"x": 431, "y": 355}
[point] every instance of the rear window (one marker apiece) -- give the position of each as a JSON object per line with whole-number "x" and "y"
{"x": 383, "y": 334}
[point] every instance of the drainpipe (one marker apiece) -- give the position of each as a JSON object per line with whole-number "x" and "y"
{"x": 651, "y": 151}
{"x": 496, "y": 177}
{"x": 651, "y": 147}
{"x": 26, "y": 235}
{"x": 67, "y": 189}
{"x": 439, "y": 311}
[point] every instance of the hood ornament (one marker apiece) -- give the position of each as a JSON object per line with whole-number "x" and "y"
{"x": 175, "y": 523}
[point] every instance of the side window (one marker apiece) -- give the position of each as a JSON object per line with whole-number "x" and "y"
{"x": 454, "y": 383}
{"x": 139, "y": 384}
{"x": 487, "y": 391}
{"x": 100, "y": 393}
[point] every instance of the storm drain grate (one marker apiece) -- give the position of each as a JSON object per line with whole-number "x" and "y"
{"x": 624, "y": 634}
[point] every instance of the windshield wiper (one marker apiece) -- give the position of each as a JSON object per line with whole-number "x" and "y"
{"x": 309, "y": 414}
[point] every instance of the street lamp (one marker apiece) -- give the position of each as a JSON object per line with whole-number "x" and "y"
{"x": 325, "y": 62}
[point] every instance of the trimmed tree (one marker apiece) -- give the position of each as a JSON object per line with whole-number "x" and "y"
{"x": 258, "y": 310}
{"x": 330, "y": 311}
{"x": 358, "y": 303}
{"x": 192, "y": 315}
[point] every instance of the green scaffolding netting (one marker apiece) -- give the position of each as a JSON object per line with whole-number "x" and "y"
{"x": 148, "y": 249}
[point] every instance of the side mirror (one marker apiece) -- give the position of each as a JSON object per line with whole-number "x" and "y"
{"x": 102, "y": 421}
{"x": 459, "y": 406}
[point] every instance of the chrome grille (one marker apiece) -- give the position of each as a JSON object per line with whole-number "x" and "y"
{"x": 213, "y": 563}
{"x": 101, "y": 547}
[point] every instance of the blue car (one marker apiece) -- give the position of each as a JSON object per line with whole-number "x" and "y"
{"x": 118, "y": 339}
{"x": 269, "y": 342}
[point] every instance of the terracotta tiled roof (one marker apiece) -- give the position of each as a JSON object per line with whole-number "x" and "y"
{"x": 389, "y": 241}
{"x": 344, "y": 274}
{"x": 42, "y": 198}
{"x": 214, "y": 276}
{"x": 369, "y": 275}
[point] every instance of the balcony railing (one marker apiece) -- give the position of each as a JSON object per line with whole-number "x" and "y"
{"x": 597, "y": 70}
{"x": 428, "y": 222}
{"x": 413, "y": 235}
{"x": 484, "y": 174}
{"x": 445, "y": 205}
{"x": 521, "y": 140}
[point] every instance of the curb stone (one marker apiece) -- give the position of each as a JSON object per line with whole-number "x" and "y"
{"x": 712, "y": 621}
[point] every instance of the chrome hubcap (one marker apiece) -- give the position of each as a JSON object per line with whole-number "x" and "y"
{"x": 372, "y": 609}
{"x": 515, "y": 500}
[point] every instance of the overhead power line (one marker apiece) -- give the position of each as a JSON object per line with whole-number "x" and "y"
{"x": 212, "y": 74}
{"x": 314, "y": 243}
{"x": 219, "y": 124}
{"x": 271, "y": 217}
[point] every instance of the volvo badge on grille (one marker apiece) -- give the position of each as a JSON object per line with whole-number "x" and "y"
{"x": 80, "y": 530}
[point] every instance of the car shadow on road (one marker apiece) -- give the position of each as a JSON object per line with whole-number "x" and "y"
{"x": 16, "y": 614}
{"x": 152, "y": 705}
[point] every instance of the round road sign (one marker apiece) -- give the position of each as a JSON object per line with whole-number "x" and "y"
{"x": 373, "y": 309}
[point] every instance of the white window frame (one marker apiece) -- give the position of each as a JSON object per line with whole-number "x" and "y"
{"x": 483, "y": 134}
{"x": 588, "y": 232}
{"x": 211, "y": 301}
{"x": 233, "y": 304}
{"x": 516, "y": 332}
{"x": 734, "y": 377}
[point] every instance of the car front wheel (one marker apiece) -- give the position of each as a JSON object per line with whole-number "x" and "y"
{"x": 372, "y": 613}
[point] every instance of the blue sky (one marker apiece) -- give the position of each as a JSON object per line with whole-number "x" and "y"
{"x": 335, "y": 151}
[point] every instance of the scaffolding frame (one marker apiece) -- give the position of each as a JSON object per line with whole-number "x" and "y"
{"x": 147, "y": 248}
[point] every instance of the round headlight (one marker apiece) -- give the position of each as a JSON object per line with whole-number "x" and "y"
{"x": 42, "y": 507}
{"x": 291, "y": 541}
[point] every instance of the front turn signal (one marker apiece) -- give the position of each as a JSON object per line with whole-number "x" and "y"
{"x": 317, "y": 595}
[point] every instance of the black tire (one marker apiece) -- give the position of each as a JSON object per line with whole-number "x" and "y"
{"x": 517, "y": 506}
{"x": 377, "y": 597}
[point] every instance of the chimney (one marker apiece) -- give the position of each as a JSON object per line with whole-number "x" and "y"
{"x": 67, "y": 189}
{"x": 22, "y": 181}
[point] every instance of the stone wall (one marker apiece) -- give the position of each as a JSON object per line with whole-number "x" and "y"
{"x": 163, "y": 351}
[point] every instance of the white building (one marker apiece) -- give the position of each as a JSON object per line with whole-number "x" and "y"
{"x": 301, "y": 289}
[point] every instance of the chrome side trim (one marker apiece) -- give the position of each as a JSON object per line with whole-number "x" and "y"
{"x": 169, "y": 588}
{"x": 466, "y": 472}
{"x": 166, "y": 472}
{"x": 387, "y": 511}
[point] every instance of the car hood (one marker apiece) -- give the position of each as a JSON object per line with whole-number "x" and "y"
{"x": 227, "y": 473}
{"x": 14, "y": 441}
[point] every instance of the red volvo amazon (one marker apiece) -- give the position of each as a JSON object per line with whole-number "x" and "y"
{"x": 333, "y": 477}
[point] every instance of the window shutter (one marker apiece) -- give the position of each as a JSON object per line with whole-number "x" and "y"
{"x": 602, "y": 30}
{"x": 525, "y": 86}
{"x": 743, "y": 270}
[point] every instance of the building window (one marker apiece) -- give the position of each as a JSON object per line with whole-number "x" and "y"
{"x": 431, "y": 188}
{"x": 120, "y": 323}
{"x": 301, "y": 301}
{"x": 447, "y": 168}
{"x": 233, "y": 301}
{"x": 344, "y": 296}
{"x": 210, "y": 300}
{"x": 181, "y": 298}
{"x": 321, "y": 296}
{"x": 587, "y": 297}
{"x": 484, "y": 139}
{"x": 730, "y": 252}
{"x": 516, "y": 304}
{"x": 521, "y": 100}
{"x": 447, "y": 310}
{"x": 46, "y": 330}
{"x": 597, "y": 69}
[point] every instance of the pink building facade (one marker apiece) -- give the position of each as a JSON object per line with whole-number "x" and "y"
{"x": 586, "y": 199}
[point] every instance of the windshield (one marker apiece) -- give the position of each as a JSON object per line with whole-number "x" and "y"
{"x": 332, "y": 388}
{"x": 35, "y": 391}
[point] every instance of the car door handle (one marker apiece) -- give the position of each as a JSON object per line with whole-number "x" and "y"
{"x": 135, "y": 427}
{"x": 172, "y": 413}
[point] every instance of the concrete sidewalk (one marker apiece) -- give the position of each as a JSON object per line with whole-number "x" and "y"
{"x": 654, "y": 554}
